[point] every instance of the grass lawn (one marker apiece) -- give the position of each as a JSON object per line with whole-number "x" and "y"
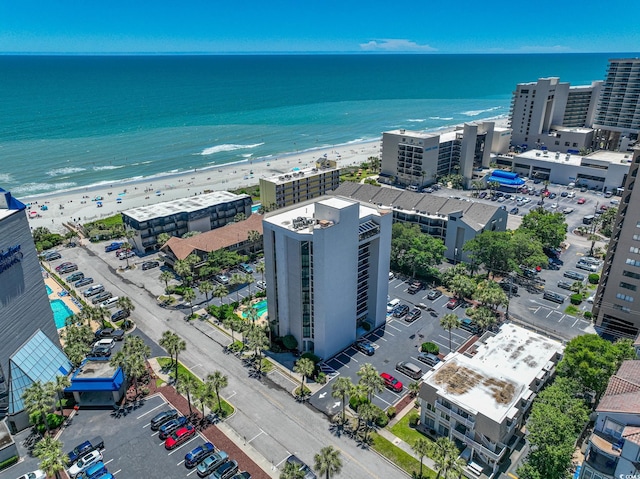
{"x": 407, "y": 433}
{"x": 166, "y": 363}
{"x": 572, "y": 310}
{"x": 400, "y": 458}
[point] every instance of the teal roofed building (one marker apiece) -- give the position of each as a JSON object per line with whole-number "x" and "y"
{"x": 37, "y": 360}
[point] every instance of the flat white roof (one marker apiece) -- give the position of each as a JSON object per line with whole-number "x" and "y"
{"x": 299, "y": 174}
{"x": 614, "y": 157}
{"x": 182, "y": 205}
{"x": 493, "y": 380}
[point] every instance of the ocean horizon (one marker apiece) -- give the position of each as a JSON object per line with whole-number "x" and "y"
{"x": 73, "y": 121}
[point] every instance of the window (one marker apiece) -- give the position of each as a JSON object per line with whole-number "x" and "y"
{"x": 624, "y": 285}
{"x": 632, "y": 262}
{"x": 634, "y": 250}
{"x": 619, "y": 307}
{"x": 566, "y": 143}
{"x": 630, "y": 274}
{"x": 612, "y": 428}
{"x": 624, "y": 297}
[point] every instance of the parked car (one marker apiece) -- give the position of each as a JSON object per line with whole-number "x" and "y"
{"x": 553, "y": 296}
{"x": 468, "y": 325}
{"x": 225, "y": 470}
{"x": 222, "y": 278}
{"x": 245, "y": 268}
{"x": 506, "y": 286}
{"x": 211, "y": 463}
{"x": 126, "y": 254}
{"x": 453, "y": 303}
{"x": 117, "y": 334}
{"x": 170, "y": 427}
{"x": 574, "y": 275}
{"x": 415, "y": 287}
{"x": 52, "y": 256}
{"x": 592, "y": 268}
{"x": 180, "y": 436}
{"x": 261, "y": 285}
{"x": 150, "y": 264}
{"x": 93, "y": 290}
{"x": 74, "y": 277}
{"x": 120, "y": 314}
{"x": 197, "y": 454}
{"x": 434, "y": 294}
{"x": 106, "y": 342}
{"x": 391, "y": 382}
{"x": 100, "y": 297}
{"x": 428, "y": 358}
{"x": 308, "y": 473}
{"x": 162, "y": 417}
{"x": 68, "y": 268}
{"x": 113, "y": 246}
{"x": 85, "y": 462}
{"x": 564, "y": 284}
{"x": 409, "y": 369}
{"x": 37, "y": 474}
{"x": 400, "y": 310}
{"x": 567, "y": 210}
{"x": 581, "y": 201}
{"x": 241, "y": 475}
{"x": 564, "y": 194}
{"x": 100, "y": 352}
{"x": 365, "y": 347}
{"x": 62, "y": 265}
{"x": 94, "y": 472}
{"x": 514, "y": 211}
{"x": 412, "y": 315}
{"x": 85, "y": 447}
{"x": 83, "y": 282}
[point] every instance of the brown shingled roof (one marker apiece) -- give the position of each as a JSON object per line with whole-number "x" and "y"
{"x": 223, "y": 237}
{"x": 623, "y": 390}
{"x": 632, "y": 433}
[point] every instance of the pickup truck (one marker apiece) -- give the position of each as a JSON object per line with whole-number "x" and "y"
{"x": 85, "y": 447}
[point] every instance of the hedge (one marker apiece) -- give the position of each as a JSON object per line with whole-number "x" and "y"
{"x": 576, "y": 298}
{"x": 430, "y": 347}
{"x": 9, "y": 462}
{"x": 593, "y": 278}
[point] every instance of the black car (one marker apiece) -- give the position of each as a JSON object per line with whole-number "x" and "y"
{"x": 162, "y": 417}
{"x": 83, "y": 282}
{"x": 564, "y": 194}
{"x": 118, "y": 315}
{"x": 365, "y": 347}
{"x": 400, "y": 310}
{"x": 434, "y": 294}
{"x": 415, "y": 287}
{"x": 564, "y": 284}
{"x": 100, "y": 352}
{"x": 552, "y": 196}
{"x": 52, "y": 256}
{"x": 515, "y": 210}
{"x": 150, "y": 264}
{"x": 117, "y": 334}
{"x": 170, "y": 427}
{"x": 574, "y": 275}
{"x": 414, "y": 314}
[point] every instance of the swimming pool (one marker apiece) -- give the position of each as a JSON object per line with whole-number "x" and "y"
{"x": 60, "y": 312}
{"x": 260, "y": 306}
{"x": 256, "y": 207}
{"x": 49, "y": 291}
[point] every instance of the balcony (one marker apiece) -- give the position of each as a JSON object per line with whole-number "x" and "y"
{"x": 601, "y": 462}
{"x": 469, "y": 439}
{"x": 466, "y": 421}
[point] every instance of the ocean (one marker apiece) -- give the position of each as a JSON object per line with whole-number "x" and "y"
{"x": 75, "y": 121}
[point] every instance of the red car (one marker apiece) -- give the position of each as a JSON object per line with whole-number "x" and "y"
{"x": 453, "y": 303}
{"x": 391, "y": 382}
{"x": 581, "y": 201}
{"x": 180, "y": 436}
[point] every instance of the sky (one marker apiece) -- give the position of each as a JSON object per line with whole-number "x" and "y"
{"x": 318, "y": 26}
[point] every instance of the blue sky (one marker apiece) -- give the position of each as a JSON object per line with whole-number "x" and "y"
{"x": 417, "y": 26}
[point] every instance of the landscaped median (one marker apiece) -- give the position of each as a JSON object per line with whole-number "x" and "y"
{"x": 200, "y": 392}
{"x": 400, "y": 458}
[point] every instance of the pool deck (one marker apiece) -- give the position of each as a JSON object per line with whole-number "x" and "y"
{"x": 67, "y": 299}
{"x": 243, "y": 309}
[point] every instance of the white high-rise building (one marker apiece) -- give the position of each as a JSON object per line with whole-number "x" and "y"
{"x": 327, "y": 267}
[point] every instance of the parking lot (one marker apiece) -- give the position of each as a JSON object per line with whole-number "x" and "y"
{"x": 396, "y": 341}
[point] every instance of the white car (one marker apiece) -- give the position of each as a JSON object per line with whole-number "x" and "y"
{"x": 261, "y": 284}
{"x": 554, "y": 205}
{"x": 571, "y": 194}
{"x": 591, "y": 298}
{"x": 106, "y": 343}
{"x": 85, "y": 462}
{"x": 34, "y": 475}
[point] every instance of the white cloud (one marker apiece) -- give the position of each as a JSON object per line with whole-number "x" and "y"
{"x": 396, "y": 45}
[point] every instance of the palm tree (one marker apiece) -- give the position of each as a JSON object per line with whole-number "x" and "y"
{"x": 414, "y": 388}
{"x": 258, "y": 341}
{"x": 328, "y": 462}
{"x": 218, "y": 382}
{"x": 204, "y": 393}
{"x": 260, "y": 269}
{"x": 483, "y": 316}
{"x": 220, "y": 291}
{"x": 367, "y": 412}
{"x": 189, "y": 295}
{"x": 52, "y": 458}
{"x": 132, "y": 358}
{"x": 236, "y": 280}
{"x": 370, "y": 380}
{"x": 129, "y": 234}
{"x": 61, "y": 383}
{"x": 305, "y": 368}
{"x": 248, "y": 280}
{"x": 253, "y": 236}
{"x": 86, "y": 314}
{"x": 162, "y": 239}
{"x": 421, "y": 447}
{"x": 38, "y": 399}
{"x": 166, "y": 276}
{"x": 178, "y": 345}
{"x": 252, "y": 315}
{"x": 206, "y": 287}
{"x": 450, "y": 321}
{"x": 126, "y": 304}
{"x": 292, "y": 471}
{"x": 342, "y": 388}
{"x": 182, "y": 269}
{"x": 98, "y": 314}
{"x": 187, "y": 385}
{"x": 167, "y": 342}
{"x": 445, "y": 454}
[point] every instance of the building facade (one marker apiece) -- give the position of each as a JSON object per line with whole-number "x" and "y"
{"x": 479, "y": 398}
{"x": 453, "y": 221}
{"x": 196, "y": 213}
{"x": 614, "y": 307}
{"x": 287, "y": 189}
{"x": 327, "y": 267}
{"x": 613, "y": 447}
{"x": 26, "y": 318}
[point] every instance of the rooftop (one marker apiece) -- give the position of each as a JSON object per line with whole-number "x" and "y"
{"x": 623, "y": 391}
{"x": 299, "y": 173}
{"x": 600, "y": 156}
{"x": 475, "y": 214}
{"x": 182, "y": 205}
{"x": 491, "y": 377}
{"x": 95, "y": 369}
{"x": 8, "y": 204}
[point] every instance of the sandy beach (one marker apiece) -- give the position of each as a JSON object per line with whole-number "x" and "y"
{"x": 80, "y": 205}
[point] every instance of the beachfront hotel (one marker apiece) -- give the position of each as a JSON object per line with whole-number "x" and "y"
{"x": 29, "y": 342}
{"x": 479, "y": 398}
{"x": 195, "y": 213}
{"x": 453, "y": 221}
{"x": 416, "y": 159}
{"x": 327, "y": 267}
{"x": 299, "y": 185}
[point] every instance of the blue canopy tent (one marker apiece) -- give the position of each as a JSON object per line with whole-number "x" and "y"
{"x": 506, "y": 179}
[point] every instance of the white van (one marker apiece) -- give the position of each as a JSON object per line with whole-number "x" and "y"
{"x": 110, "y": 303}
{"x": 392, "y": 304}
{"x": 412, "y": 188}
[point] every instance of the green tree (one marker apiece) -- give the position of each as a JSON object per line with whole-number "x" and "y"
{"x": 414, "y": 388}
{"x": 459, "y": 269}
{"x": 125, "y": 304}
{"x": 132, "y": 358}
{"x": 206, "y": 287}
{"x": 305, "y": 368}
{"x": 220, "y": 291}
{"x": 236, "y": 280}
{"x": 483, "y": 317}
{"x": 421, "y": 447}
{"x": 370, "y": 380}
{"x": 162, "y": 239}
{"x": 167, "y": 341}
{"x": 178, "y": 345}
{"x": 78, "y": 339}
{"x": 526, "y": 249}
{"x": 188, "y": 385}
{"x": 445, "y": 454}
{"x": 607, "y": 220}
{"x": 367, "y": 413}
{"x": 327, "y": 462}
{"x": 462, "y": 286}
{"x": 549, "y": 228}
{"x": 165, "y": 277}
{"x": 490, "y": 294}
{"x": 491, "y": 249}
{"x": 254, "y": 238}
{"x": 189, "y": 295}
{"x": 60, "y": 384}
{"x": 260, "y": 269}
{"x": 592, "y": 360}
{"x": 449, "y": 321}
{"x": 183, "y": 269}
{"x": 292, "y": 471}
{"x": 98, "y": 314}
{"x": 413, "y": 251}
{"x": 218, "y": 382}
{"x": 252, "y": 315}
{"x": 38, "y": 399}
{"x": 342, "y": 389}
{"x": 52, "y": 458}
{"x": 258, "y": 340}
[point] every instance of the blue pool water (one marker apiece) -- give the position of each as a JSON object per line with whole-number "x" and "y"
{"x": 48, "y": 289}
{"x": 260, "y": 306}
{"x": 256, "y": 207}
{"x": 60, "y": 312}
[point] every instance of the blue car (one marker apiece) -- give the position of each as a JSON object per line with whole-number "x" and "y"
{"x": 365, "y": 347}
{"x": 79, "y": 450}
{"x": 170, "y": 427}
{"x": 193, "y": 457}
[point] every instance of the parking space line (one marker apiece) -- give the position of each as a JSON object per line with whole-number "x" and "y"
{"x": 563, "y": 316}
{"x": 390, "y": 334}
{"x": 383, "y": 400}
{"x": 384, "y": 338}
{"x": 340, "y": 362}
{"x": 142, "y": 415}
{"x": 231, "y": 395}
{"x": 196, "y": 436}
{"x": 254, "y": 437}
{"x": 399, "y": 284}
{"x": 397, "y": 329}
{"x": 194, "y": 470}
{"x": 288, "y": 454}
{"x": 107, "y": 462}
{"x": 114, "y": 473}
